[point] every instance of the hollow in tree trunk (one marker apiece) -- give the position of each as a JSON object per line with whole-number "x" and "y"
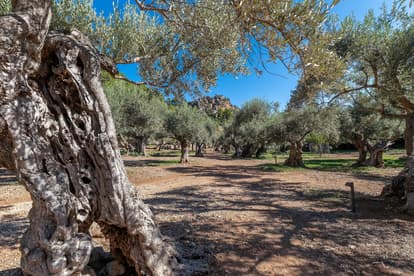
{"x": 184, "y": 152}
{"x": 295, "y": 155}
{"x": 66, "y": 152}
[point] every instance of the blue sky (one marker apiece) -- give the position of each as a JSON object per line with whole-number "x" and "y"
{"x": 267, "y": 86}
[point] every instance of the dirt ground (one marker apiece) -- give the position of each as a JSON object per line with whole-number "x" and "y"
{"x": 228, "y": 217}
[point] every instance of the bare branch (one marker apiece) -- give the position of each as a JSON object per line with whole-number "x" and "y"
{"x": 146, "y": 7}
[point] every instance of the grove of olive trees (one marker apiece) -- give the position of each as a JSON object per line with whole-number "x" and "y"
{"x": 60, "y": 88}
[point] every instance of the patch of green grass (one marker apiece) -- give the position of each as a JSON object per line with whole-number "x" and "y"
{"x": 9, "y": 183}
{"x": 165, "y": 153}
{"x": 269, "y": 167}
{"x": 400, "y": 152}
{"x": 329, "y": 164}
{"x": 344, "y": 152}
{"x": 333, "y": 164}
{"x": 395, "y": 161}
{"x": 161, "y": 163}
{"x": 329, "y": 196}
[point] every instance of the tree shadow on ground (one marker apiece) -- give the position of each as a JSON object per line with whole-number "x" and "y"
{"x": 364, "y": 175}
{"x": 247, "y": 223}
{"x": 148, "y": 163}
{"x": 11, "y": 272}
{"x": 7, "y": 177}
{"x": 10, "y": 229}
{"x": 254, "y": 226}
{"x": 216, "y": 156}
{"x": 219, "y": 171}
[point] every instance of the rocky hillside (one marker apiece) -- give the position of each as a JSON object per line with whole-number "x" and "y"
{"x": 214, "y": 105}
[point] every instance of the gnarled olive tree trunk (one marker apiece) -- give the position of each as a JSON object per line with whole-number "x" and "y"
{"x": 376, "y": 153}
{"x": 142, "y": 145}
{"x": 361, "y": 144}
{"x": 408, "y": 173}
{"x": 184, "y": 152}
{"x": 402, "y": 186}
{"x": 66, "y": 152}
{"x": 199, "y": 150}
{"x": 295, "y": 155}
{"x": 237, "y": 150}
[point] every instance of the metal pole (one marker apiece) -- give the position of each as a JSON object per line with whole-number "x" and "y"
{"x": 351, "y": 185}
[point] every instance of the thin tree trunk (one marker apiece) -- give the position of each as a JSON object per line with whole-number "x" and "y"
{"x": 226, "y": 149}
{"x": 160, "y": 145}
{"x": 295, "y": 155}
{"x": 184, "y": 152}
{"x": 66, "y": 152}
{"x": 260, "y": 151}
{"x": 144, "y": 147}
{"x": 199, "y": 150}
{"x": 141, "y": 145}
{"x": 238, "y": 151}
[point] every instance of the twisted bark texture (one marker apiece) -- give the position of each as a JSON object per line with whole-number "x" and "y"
{"x": 184, "y": 151}
{"x": 295, "y": 155}
{"x": 199, "y": 150}
{"x": 375, "y": 151}
{"x": 66, "y": 152}
{"x": 402, "y": 186}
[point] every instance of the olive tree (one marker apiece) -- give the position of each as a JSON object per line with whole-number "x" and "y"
{"x": 377, "y": 54}
{"x": 207, "y": 134}
{"x": 138, "y": 113}
{"x": 294, "y": 125}
{"x": 369, "y": 132}
{"x": 185, "y": 124}
{"x": 247, "y": 131}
